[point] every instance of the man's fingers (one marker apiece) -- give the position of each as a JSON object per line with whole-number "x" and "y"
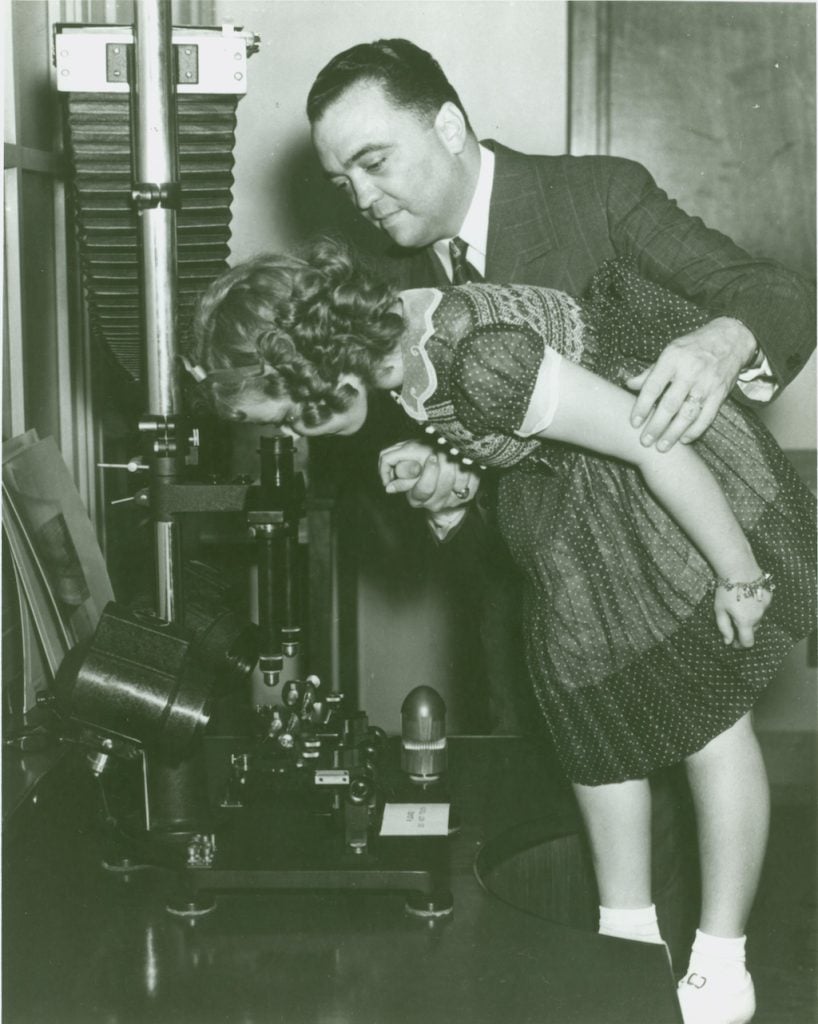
{"x": 435, "y": 488}
{"x": 679, "y": 396}
{"x": 673, "y": 401}
{"x": 685, "y": 409}
{"x": 403, "y": 451}
{"x": 429, "y": 480}
{"x": 465, "y": 486}
{"x": 408, "y": 469}
{"x": 427, "y": 483}
{"x": 635, "y": 383}
{"x": 693, "y": 417}
{"x": 655, "y": 380}
{"x": 703, "y": 420}
{"x": 400, "y": 486}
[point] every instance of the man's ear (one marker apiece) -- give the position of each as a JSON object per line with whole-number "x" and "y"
{"x": 450, "y": 125}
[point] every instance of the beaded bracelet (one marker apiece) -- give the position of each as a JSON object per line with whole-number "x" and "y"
{"x": 751, "y": 589}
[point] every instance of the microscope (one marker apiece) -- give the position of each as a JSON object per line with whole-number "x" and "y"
{"x": 227, "y": 794}
{"x": 197, "y": 776}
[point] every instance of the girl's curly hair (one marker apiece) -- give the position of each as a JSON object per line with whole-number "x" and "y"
{"x": 305, "y": 319}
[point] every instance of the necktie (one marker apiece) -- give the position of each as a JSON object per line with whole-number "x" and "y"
{"x": 462, "y": 270}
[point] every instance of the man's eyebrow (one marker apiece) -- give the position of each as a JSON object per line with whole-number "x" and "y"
{"x": 370, "y": 147}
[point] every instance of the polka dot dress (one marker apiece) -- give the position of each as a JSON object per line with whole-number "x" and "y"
{"x": 629, "y": 668}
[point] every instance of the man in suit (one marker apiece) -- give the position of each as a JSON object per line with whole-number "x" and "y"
{"x": 392, "y": 135}
{"x": 391, "y": 132}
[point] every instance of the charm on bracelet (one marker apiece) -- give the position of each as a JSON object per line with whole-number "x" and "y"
{"x": 751, "y": 589}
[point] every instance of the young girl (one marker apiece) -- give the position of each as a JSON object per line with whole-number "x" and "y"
{"x": 650, "y": 623}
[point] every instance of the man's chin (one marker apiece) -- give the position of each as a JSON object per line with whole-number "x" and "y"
{"x": 403, "y": 236}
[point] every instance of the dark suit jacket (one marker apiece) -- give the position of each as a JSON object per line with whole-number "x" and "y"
{"x": 554, "y": 219}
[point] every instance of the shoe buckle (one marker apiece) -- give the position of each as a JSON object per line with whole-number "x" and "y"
{"x": 696, "y": 980}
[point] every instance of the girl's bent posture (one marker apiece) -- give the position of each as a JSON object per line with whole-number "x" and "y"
{"x": 650, "y": 623}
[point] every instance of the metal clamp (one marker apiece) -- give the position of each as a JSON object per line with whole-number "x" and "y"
{"x": 167, "y": 432}
{"x": 149, "y": 195}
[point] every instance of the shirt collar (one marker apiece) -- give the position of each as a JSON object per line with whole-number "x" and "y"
{"x": 475, "y": 228}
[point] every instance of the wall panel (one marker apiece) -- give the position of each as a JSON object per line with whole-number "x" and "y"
{"x": 717, "y": 100}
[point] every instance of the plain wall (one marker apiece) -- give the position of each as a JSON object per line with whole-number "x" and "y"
{"x": 506, "y": 59}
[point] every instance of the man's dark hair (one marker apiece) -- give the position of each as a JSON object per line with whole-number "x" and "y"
{"x": 409, "y": 76}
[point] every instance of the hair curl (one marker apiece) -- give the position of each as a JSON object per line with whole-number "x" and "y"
{"x": 410, "y": 77}
{"x": 308, "y": 319}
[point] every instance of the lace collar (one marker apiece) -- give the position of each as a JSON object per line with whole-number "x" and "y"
{"x": 419, "y": 376}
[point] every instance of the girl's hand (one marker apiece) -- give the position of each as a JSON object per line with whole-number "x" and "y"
{"x": 739, "y": 613}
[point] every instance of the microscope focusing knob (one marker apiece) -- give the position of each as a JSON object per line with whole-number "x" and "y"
{"x": 359, "y": 791}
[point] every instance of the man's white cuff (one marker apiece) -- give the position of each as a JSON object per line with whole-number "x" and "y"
{"x": 758, "y": 383}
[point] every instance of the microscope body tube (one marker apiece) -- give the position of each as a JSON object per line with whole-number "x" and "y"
{"x": 156, "y": 196}
{"x": 275, "y": 526}
{"x": 270, "y": 573}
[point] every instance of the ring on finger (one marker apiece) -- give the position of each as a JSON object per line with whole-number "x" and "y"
{"x": 461, "y": 492}
{"x": 697, "y": 400}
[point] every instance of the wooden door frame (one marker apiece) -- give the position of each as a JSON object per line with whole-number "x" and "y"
{"x": 589, "y": 74}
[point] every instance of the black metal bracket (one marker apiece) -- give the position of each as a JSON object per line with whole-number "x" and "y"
{"x": 186, "y": 63}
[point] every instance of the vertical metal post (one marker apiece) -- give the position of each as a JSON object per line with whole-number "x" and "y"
{"x": 156, "y": 164}
{"x": 156, "y": 195}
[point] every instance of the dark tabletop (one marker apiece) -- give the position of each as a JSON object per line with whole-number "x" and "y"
{"x": 85, "y": 945}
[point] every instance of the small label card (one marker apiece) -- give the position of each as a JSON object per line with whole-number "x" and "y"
{"x": 415, "y": 820}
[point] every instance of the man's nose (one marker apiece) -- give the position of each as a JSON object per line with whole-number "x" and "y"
{"x": 365, "y": 193}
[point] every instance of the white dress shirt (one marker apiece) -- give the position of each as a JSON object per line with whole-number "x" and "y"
{"x": 475, "y": 228}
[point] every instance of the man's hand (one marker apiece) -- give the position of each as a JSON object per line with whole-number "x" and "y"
{"x": 681, "y": 393}
{"x": 429, "y": 479}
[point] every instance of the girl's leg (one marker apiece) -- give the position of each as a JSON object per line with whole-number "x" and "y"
{"x": 617, "y": 820}
{"x": 731, "y": 798}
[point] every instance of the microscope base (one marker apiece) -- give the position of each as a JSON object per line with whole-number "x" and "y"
{"x": 309, "y": 855}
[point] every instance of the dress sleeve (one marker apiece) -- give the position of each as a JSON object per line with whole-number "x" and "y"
{"x": 503, "y": 380}
{"x": 544, "y": 397}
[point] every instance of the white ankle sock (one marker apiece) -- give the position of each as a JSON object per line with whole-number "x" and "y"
{"x": 639, "y": 925}
{"x": 717, "y": 988}
{"x": 717, "y": 957}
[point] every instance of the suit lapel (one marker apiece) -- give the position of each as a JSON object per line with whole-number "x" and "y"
{"x": 417, "y": 268}
{"x": 435, "y": 267}
{"x": 520, "y": 228}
